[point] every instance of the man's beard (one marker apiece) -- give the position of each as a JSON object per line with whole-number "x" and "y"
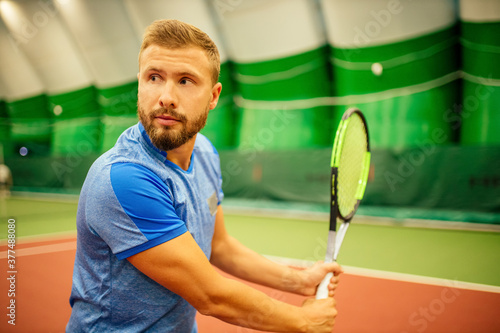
{"x": 165, "y": 138}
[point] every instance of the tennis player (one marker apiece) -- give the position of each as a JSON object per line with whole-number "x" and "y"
{"x": 5, "y": 181}
{"x": 150, "y": 222}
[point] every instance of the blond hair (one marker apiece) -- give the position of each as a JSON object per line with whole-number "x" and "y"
{"x": 175, "y": 34}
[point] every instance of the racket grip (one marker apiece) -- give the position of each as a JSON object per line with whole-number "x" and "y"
{"x": 322, "y": 291}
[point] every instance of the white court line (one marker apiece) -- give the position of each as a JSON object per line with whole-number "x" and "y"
{"x": 366, "y": 272}
{"x": 43, "y": 249}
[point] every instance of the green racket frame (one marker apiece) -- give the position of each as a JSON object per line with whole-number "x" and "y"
{"x": 335, "y": 162}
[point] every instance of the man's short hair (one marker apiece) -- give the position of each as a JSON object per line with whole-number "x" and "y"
{"x": 175, "y": 34}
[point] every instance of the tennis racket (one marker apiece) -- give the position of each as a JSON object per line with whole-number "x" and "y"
{"x": 350, "y": 166}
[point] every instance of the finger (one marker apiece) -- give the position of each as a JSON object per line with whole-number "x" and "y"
{"x": 335, "y": 277}
{"x": 332, "y": 287}
{"x": 331, "y": 293}
{"x": 334, "y": 267}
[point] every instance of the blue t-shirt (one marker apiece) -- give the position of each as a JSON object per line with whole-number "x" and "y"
{"x": 134, "y": 199}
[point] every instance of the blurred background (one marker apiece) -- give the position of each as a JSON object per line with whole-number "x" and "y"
{"x": 426, "y": 74}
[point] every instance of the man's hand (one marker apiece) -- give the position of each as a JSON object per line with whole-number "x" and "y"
{"x": 320, "y": 315}
{"x": 312, "y": 277}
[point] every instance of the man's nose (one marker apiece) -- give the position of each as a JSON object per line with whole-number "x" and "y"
{"x": 168, "y": 97}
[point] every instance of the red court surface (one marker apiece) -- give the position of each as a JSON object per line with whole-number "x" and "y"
{"x": 365, "y": 304}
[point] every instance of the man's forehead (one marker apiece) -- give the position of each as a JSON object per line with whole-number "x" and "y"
{"x": 159, "y": 52}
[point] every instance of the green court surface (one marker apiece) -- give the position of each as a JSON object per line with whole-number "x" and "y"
{"x": 40, "y": 216}
{"x": 458, "y": 255}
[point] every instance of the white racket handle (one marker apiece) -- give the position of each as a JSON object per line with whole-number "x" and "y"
{"x": 322, "y": 291}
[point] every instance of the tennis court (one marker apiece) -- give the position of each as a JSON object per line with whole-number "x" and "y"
{"x": 398, "y": 278}
{"x": 422, "y": 253}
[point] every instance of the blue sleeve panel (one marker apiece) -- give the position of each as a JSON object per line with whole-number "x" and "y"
{"x": 147, "y": 200}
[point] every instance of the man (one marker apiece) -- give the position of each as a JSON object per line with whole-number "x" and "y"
{"x": 5, "y": 181}
{"x": 5, "y": 185}
{"x": 150, "y": 224}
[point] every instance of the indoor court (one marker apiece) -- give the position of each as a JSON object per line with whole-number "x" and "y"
{"x": 419, "y": 80}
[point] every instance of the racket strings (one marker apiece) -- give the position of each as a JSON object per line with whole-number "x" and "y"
{"x": 350, "y": 168}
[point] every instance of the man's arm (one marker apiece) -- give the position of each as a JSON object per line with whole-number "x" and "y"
{"x": 182, "y": 267}
{"x": 234, "y": 258}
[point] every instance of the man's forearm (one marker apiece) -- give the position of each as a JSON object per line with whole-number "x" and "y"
{"x": 244, "y": 306}
{"x": 242, "y": 262}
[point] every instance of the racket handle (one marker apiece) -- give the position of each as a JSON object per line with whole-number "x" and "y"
{"x": 322, "y": 291}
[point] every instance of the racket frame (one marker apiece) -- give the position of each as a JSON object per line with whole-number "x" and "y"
{"x": 335, "y": 162}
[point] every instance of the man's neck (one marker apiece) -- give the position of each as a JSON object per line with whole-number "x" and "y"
{"x": 182, "y": 156}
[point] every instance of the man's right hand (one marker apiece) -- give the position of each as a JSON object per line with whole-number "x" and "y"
{"x": 320, "y": 314}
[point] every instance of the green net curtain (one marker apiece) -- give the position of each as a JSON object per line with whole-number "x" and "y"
{"x": 119, "y": 111}
{"x": 77, "y": 123}
{"x": 5, "y": 140}
{"x": 31, "y": 124}
{"x": 398, "y": 65}
{"x": 220, "y": 128}
{"x": 283, "y": 125}
{"x": 481, "y": 84}
{"x": 280, "y": 67}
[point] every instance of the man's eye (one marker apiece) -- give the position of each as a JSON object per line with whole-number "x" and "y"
{"x": 185, "y": 81}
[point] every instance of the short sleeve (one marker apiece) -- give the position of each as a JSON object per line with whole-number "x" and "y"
{"x": 147, "y": 201}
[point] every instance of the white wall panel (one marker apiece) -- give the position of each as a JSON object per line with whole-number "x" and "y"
{"x": 195, "y": 12}
{"x": 363, "y": 23}
{"x": 105, "y": 37}
{"x": 480, "y": 10}
{"x": 39, "y": 32}
{"x": 258, "y": 30}
{"x": 17, "y": 77}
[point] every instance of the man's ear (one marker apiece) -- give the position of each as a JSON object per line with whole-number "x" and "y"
{"x": 216, "y": 90}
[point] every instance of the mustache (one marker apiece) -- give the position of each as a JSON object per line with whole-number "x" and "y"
{"x": 168, "y": 112}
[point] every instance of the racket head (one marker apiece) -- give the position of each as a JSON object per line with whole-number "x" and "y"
{"x": 350, "y": 165}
